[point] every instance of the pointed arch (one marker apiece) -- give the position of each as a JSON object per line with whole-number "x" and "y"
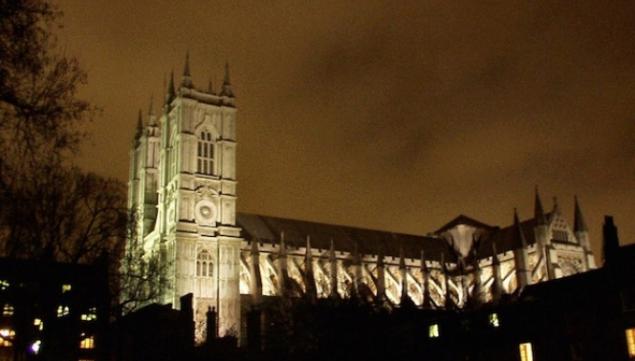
{"x": 206, "y": 153}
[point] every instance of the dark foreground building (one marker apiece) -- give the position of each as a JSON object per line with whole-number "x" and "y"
{"x": 588, "y": 316}
{"x": 53, "y": 311}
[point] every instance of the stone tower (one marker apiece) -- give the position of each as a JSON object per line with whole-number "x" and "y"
{"x": 193, "y": 222}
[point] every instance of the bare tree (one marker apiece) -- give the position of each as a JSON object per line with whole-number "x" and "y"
{"x": 50, "y": 210}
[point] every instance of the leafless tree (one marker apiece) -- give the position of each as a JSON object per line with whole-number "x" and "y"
{"x": 50, "y": 210}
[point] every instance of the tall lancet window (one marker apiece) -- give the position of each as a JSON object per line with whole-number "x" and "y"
{"x": 205, "y": 163}
{"x": 204, "y": 265}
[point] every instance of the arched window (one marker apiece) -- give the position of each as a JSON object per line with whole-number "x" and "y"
{"x": 205, "y": 164}
{"x": 204, "y": 266}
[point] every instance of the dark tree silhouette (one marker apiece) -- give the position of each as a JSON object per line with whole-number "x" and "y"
{"x": 50, "y": 210}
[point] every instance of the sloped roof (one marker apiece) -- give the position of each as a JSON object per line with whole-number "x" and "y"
{"x": 465, "y": 220}
{"x": 267, "y": 229}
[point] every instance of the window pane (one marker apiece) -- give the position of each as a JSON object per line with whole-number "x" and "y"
{"x": 630, "y": 342}
{"x": 526, "y": 352}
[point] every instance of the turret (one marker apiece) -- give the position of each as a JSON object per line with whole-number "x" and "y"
{"x": 521, "y": 257}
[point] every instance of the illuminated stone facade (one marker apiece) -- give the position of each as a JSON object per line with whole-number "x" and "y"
{"x": 183, "y": 190}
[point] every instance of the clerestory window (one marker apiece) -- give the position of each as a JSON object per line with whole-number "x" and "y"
{"x": 205, "y": 160}
{"x": 204, "y": 266}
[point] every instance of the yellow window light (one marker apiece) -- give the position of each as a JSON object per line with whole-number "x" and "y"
{"x": 630, "y": 342}
{"x": 433, "y": 331}
{"x": 526, "y": 352}
{"x": 87, "y": 343}
{"x": 493, "y": 320}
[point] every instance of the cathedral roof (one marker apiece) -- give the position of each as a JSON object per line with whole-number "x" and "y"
{"x": 464, "y": 220}
{"x": 267, "y": 229}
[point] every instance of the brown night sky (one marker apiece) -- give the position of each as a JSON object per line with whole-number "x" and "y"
{"x": 387, "y": 115}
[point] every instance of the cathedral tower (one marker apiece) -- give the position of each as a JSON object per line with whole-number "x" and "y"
{"x": 194, "y": 221}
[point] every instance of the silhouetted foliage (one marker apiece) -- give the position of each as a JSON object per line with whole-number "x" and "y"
{"x": 49, "y": 209}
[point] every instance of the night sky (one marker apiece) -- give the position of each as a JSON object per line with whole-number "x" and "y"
{"x": 386, "y": 115}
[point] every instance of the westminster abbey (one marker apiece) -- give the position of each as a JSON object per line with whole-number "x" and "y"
{"x": 182, "y": 186}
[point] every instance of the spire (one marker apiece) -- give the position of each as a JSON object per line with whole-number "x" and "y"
{"x": 227, "y": 88}
{"x": 139, "y": 126}
{"x": 539, "y": 213}
{"x": 187, "y": 78}
{"x": 579, "y": 225}
{"x": 171, "y": 92}
{"x": 518, "y": 230}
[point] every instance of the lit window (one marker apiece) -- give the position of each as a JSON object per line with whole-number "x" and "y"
{"x": 38, "y": 323}
{"x": 6, "y": 337}
{"x": 433, "y": 331}
{"x": 526, "y": 352}
{"x": 87, "y": 342}
{"x": 4, "y": 284}
{"x": 205, "y": 160}
{"x": 66, "y": 288}
{"x": 62, "y": 311}
{"x": 204, "y": 264}
{"x": 35, "y": 346}
{"x": 493, "y": 320}
{"x": 91, "y": 315}
{"x": 7, "y": 310}
{"x": 630, "y": 342}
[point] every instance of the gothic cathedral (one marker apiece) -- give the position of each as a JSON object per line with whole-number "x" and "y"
{"x": 182, "y": 191}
